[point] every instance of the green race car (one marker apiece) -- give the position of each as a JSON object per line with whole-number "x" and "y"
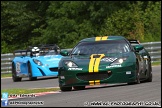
{"x": 103, "y": 60}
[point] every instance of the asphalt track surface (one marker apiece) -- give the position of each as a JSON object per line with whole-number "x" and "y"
{"x": 110, "y": 95}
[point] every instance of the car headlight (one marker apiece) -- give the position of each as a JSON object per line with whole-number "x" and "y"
{"x": 38, "y": 62}
{"x": 70, "y": 64}
{"x": 119, "y": 61}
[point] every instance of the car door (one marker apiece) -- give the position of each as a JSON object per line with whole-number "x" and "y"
{"x": 24, "y": 65}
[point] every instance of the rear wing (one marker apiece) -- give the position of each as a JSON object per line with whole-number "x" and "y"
{"x": 134, "y": 41}
{"x": 44, "y": 46}
{"x": 21, "y": 52}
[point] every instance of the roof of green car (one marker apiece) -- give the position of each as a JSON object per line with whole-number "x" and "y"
{"x": 100, "y": 38}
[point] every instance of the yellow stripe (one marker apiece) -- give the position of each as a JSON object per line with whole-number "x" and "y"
{"x": 98, "y": 62}
{"x": 97, "y": 82}
{"x": 96, "y": 65}
{"x": 104, "y": 38}
{"x": 91, "y": 82}
{"x": 91, "y": 64}
{"x": 98, "y": 39}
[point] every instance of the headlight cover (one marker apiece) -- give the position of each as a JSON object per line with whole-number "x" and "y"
{"x": 38, "y": 62}
{"x": 119, "y": 61}
{"x": 70, "y": 64}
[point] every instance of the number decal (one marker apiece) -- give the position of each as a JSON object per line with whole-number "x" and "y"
{"x": 17, "y": 67}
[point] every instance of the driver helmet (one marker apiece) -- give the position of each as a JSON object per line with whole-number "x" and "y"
{"x": 35, "y": 51}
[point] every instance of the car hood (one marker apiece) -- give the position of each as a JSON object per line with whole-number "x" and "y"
{"x": 51, "y": 60}
{"x": 84, "y": 60}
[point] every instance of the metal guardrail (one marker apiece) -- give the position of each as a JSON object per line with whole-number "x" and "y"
{"x": 154, "y": 49}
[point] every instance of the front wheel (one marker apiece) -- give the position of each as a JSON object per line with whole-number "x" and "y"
{"x": 31, "y": 78}
{"x": 79, "y": 87}
{"x": 14, "y": 77}
{"x": 65, "y": 88}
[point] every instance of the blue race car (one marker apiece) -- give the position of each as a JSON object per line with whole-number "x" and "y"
{"x": 36, "y": 62}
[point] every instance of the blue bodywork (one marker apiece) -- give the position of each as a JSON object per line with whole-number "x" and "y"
{"x": 35, "y": 66}
{"x": 48, "y": 68}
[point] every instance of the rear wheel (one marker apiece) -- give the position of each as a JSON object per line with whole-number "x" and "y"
{"x": 137, "y": 74}
{"x": 14, "y": 77}
{"x": 149, "y": 79}
{"x": 79, "y": 87}
{"x": 65, "y": 88}
{"x": 30, "y": 73}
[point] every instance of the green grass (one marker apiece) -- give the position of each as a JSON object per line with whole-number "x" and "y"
{"x": 19, "y": 91}
{"x": 6, "y": 75}
{"x": 156, "y": 63}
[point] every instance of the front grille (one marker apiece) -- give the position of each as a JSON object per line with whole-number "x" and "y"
{"x": 53, "y": 69}
{"x": 93, "y": 76}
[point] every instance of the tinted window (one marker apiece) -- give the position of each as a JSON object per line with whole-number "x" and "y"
{"x": 101, "y": 47}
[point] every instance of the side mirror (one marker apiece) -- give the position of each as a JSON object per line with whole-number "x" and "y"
{"x": 138, "y": 47}
{"x": 64, "y": 53}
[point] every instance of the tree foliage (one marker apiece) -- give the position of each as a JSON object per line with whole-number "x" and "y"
{"x": 25, "y": 23}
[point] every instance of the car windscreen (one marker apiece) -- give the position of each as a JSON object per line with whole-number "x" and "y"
{"x": 101, "y": 47}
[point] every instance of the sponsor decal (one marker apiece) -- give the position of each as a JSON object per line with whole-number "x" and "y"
{"x": 94, "y": 62}
{"x": 108, "y": 59}
{"x": 75, "y": 68}
{"x": 18, "y": 67}
{"x": 113, "y": 66}
{"x": 52, "y": 59}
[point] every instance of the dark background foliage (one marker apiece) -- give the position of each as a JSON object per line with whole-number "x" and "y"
{"x": 25, "y": 23}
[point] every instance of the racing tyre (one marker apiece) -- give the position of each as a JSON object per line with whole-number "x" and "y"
{"x": 137, "y": 74}
{"x": 150, "y": 76}
{"x": 31, "y": 78}
{"x": 79, "y": 87}
{"x": 14, "y": 77}
{"x": 65, "y": 88}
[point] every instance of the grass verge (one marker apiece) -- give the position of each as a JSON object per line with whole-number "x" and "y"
{"x": 19, "y": 91}
{"x": 6, "y": 75}
{"x": 156, "y": 63}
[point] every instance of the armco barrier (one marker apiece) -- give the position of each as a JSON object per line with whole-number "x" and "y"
{"x": 154, "y": 48}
